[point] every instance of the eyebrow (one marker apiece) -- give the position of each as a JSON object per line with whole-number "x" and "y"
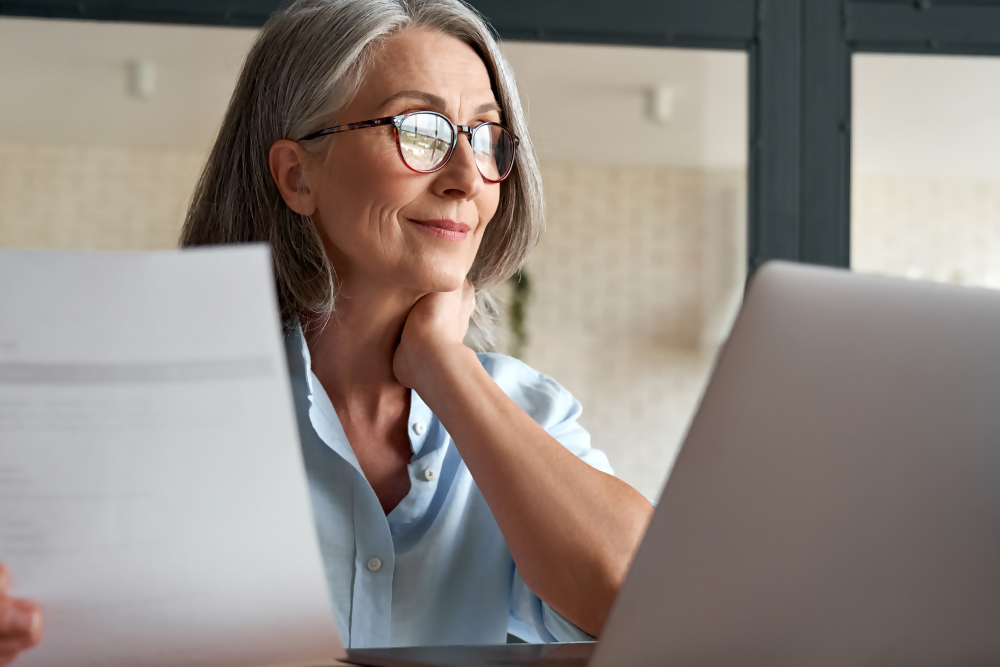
{"x": 435, "y": 101}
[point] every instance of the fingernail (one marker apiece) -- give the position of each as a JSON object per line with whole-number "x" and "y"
{"x": 24, "y": 621}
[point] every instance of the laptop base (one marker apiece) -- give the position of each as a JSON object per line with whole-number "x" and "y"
{"x": 575, "y": 654}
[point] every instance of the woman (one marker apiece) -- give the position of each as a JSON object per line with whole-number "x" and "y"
{"x": 380, "y": 148}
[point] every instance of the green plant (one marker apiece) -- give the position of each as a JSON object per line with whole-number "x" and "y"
{"x": 521, "y": 292}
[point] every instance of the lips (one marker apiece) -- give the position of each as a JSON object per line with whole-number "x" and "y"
{"x": 447, "y": 229}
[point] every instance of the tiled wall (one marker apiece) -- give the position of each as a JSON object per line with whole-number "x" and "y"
{"x": 635, "y": 282}
{"x": 105, "y": 198}
{"x": 927, "y": 228}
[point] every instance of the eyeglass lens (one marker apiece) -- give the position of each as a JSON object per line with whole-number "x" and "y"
{"x": 425, "y": 140}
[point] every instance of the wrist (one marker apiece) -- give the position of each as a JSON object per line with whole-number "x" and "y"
{"x": 440, "y": 363}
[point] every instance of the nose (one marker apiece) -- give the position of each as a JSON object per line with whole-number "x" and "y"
{"x": 461, "y": 176}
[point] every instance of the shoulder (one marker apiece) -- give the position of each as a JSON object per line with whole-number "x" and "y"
{"x": 547, "y": 401}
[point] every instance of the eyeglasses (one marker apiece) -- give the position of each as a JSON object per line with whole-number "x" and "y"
{"x": 426, "y": 141}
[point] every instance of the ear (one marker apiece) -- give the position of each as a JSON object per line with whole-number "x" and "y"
{"x": 287, "y": 163}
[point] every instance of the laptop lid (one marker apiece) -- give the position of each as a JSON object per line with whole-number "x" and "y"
{"x": 837, "y": 498}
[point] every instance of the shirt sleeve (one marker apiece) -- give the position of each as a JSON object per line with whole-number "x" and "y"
{"x": 556, "y": 410}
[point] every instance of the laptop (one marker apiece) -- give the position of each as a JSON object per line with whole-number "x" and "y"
{"x": 837, "y": 498}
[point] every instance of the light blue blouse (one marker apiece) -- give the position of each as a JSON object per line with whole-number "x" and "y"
{"x": 436, "y": 570}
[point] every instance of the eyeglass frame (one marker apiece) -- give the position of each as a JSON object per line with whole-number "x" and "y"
{"x": 396, "y": 121}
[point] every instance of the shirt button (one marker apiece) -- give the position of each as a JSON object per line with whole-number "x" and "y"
{"x": 419, "y": 428}
{"x": 430, "y": 474}
{"x": 374, "y": 564}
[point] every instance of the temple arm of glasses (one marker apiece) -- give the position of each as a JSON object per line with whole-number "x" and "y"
{"x": 350, "y": 126}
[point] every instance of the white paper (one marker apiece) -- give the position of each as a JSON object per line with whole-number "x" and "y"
{"x": 152, "y": 493}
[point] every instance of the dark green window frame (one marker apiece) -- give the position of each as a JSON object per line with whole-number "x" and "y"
{"x": 800, "y": 77}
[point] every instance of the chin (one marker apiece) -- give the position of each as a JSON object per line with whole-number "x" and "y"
{"x": 438, "y": 276}
{"x": 438, "y": 282}
{"x": 445, "y": 286}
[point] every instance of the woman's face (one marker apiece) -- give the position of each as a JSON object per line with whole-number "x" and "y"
{"x": 384, "y": 225}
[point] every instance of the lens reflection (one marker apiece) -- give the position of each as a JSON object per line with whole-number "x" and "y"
{"x": 483, "y": 142}
{"x": 494, "y": 150}
{"x": 426, "y": 139}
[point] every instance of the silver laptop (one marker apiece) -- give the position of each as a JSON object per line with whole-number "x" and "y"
{"x": 837, "y": 498}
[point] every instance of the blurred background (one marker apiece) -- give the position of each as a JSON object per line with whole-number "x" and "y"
{"x": 105, "y": 126}
{"x": 926, "y": 175}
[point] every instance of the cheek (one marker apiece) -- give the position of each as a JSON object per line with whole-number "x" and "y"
{"x": 360, "y": 171}
{"x": 362, "y": 186}
{"x": 488, "y": 202}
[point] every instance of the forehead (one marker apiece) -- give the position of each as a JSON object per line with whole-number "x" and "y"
{"x": 431, "y": 61}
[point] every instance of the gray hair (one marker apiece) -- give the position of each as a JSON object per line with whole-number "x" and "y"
{"x": 305, "y": 66}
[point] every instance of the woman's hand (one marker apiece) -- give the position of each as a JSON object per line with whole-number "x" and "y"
{"x": 436, "y": 326}
{"x": 20, "y": 623}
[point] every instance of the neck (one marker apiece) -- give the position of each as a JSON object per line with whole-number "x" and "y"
{"x": 352, "y": 351}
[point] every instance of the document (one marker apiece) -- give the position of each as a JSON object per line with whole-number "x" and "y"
{"x": 152, "y": 492}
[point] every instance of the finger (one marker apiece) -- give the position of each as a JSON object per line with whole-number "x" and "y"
{"x": 20, "y": 620}
{"x": 10, "y": 648}
{"x": 4, "y": 580}
{"x": 14, "y": 645}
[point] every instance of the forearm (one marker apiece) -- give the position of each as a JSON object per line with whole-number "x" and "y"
{"x": 571, "y": 529}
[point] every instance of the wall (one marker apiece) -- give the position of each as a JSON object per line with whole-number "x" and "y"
{"x": 91, "y": 197}
{"x": 635, "y": 284}
{"x": 926, "y": 167}
{"x": 924, "y": 115}
{"x": 927, "y": 227}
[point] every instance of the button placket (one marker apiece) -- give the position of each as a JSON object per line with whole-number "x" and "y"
{"x": 372, "y": 595}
